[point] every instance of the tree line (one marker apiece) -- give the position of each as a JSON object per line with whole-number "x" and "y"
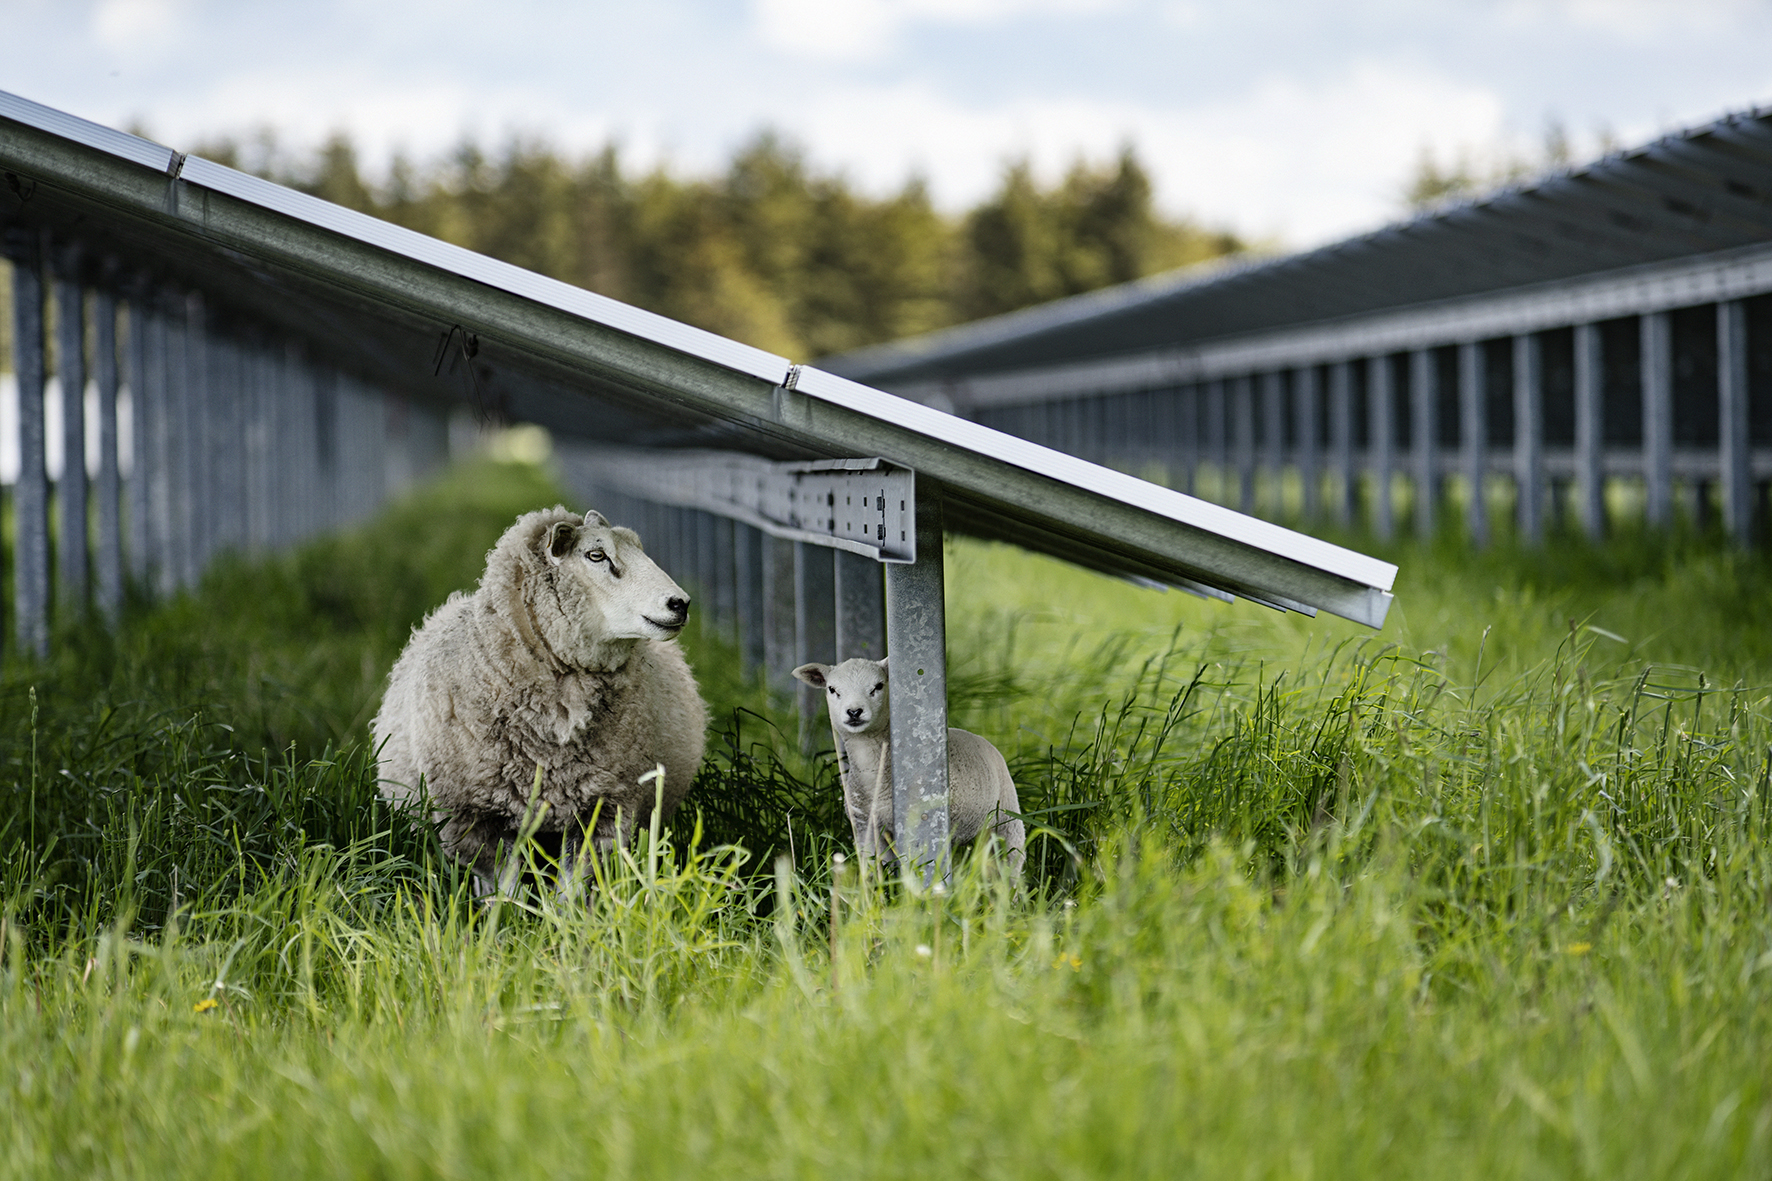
{"x": 773, "y": 250}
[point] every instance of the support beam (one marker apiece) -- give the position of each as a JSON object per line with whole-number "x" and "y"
{"x": 1658, "y": 419}
{"x": 1381, "y": 434}
{"x": 1474, "y": 435}
{"x": 199, "y": 504}
{"x": 140, "y": 415}
{"x": 1218, "y": 441}
{"x": 70, "y": 367}
{"x": 1529, "y": 436}
{"x": 109, "y": 547}
{"x": 1304, "y": 407}
{"x": 1243, "y": 414}
{"x": 165, "y": 378}
{"x": 1735, "y": 459}
{"x": 1273, "y": 447}
{"x": 1341, "y": 439}
{"x": 31, "y": 493}
{"x": 1188, "y": 416}
{"x": 778, "y": 615}
{"x": 1424, "y": 424}
{"x": 724, "y": 608}
{"x": 815, "y": 631}
{"x": 177, "y": 442}
{"x": 748, "y": 574}
{"x": 916, "y": 635}
{"x": 1590, "y": 429}
{"x": 861, "y": 608}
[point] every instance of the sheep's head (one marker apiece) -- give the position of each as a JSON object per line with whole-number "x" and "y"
{"x": 607, "y": 588}
{"x": 855, "y": 691}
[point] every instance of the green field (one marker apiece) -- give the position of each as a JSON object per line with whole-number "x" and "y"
{"x": 1487, "y": 893}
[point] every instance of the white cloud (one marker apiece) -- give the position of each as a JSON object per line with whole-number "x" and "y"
{"x": 1636, "y": 21}
{"x": 130, "y": 26}
{"x": 866, "y": 30}
{"x": 1306, "y": 160}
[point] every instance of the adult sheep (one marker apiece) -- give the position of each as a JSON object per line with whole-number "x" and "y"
{"x": 561, "y": 659}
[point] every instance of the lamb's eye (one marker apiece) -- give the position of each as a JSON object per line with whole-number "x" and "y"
{"x": 879, "y": 687}
{"x": 597, "y": 555}
{"x": 833, "y": 690}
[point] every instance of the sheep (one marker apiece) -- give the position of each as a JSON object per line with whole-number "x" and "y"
{"x": 561, "y": 660}
{"x": 979, "y": 786}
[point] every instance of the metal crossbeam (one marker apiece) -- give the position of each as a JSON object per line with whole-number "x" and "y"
{"x": 864, "y": 506}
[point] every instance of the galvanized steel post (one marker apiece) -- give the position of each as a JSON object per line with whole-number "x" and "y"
{"x": 1341, "y": 438}
{"x": 861, "y": 607}
{"x": 778, "y": 614}
{"x": 1424, "y": 425}
{"x": 1188, "y": 418}
{"x": 140, "y": 414}
{"x": 1529, "y": 435}
{"x": 30, "y": 501}
{"x": 916, "y": 638}
{"x": 199, "y": 438}
{"x": 1380, "y": 440}
{"x": 1473, "y": 435}
{"x": 1304, "y": 409}
{"x": 815, "y": 630}
{"x": 1590, "y": 429}
{"x": 70, "y": 365}
{"x": 109, "y": 555}
{"x": 725, "y": 581}
{"x": 1735, "y": 459}
{"x": 160, "y": 386}
{"x": 177, "y": 442}
{"x": 748, "y": 575}
{"x": 1217, "y": 441}
{"x": 1273, "y": 428}
{"x": 1243, "y": 413}
{"x": 1658, "y": 418}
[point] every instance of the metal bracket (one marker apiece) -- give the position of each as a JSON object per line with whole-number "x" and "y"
{"x": 864, "y": 506}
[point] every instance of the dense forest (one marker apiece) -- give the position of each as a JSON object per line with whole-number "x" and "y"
{"x": 772, "y": 251}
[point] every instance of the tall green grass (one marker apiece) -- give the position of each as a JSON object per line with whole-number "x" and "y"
{"x": 1485, "y": 893}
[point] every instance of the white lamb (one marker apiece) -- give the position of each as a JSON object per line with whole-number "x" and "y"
{"x": 981, "y": 795}
{"x": 562, "y": 658}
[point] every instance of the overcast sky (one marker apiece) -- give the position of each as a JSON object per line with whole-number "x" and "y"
{"x": 1298, "y": 120}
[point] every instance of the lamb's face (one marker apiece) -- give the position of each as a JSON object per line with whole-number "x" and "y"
{"x": 620, "y": 592}
{"x": 856, "y": 692}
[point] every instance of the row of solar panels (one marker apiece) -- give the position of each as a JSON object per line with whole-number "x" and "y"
{"x": 391, "y": 302}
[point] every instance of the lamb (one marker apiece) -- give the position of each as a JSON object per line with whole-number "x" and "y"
{"x": 562, "y": 660}
{"x": 981, "y": 795}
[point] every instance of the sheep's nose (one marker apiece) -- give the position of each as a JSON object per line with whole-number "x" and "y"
{"x": 678, "y": 605}
{"x": 855, "y": 713}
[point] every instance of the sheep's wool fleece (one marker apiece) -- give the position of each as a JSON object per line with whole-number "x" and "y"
{"x": 497, "y": 681}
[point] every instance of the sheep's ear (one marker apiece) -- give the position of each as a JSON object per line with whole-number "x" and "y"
{"x": 812, "y": 674}
{"x": 561, "y": 536}
{"x": 593, "y": 517}
{"x": 882, "y": 662}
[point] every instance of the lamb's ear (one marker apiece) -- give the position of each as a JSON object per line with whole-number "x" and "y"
{"x": 561, "y": 537}
{"x": 593, "y": 517}
{"x": 882, "y": 662}
{"x": 812, "y": 674}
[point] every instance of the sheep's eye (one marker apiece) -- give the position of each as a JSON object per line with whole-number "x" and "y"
{"x": 879, "y": 687}
{"x": 597, "y": 555}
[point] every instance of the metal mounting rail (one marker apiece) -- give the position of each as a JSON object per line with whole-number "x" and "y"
{"x": 864, "y": 506}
